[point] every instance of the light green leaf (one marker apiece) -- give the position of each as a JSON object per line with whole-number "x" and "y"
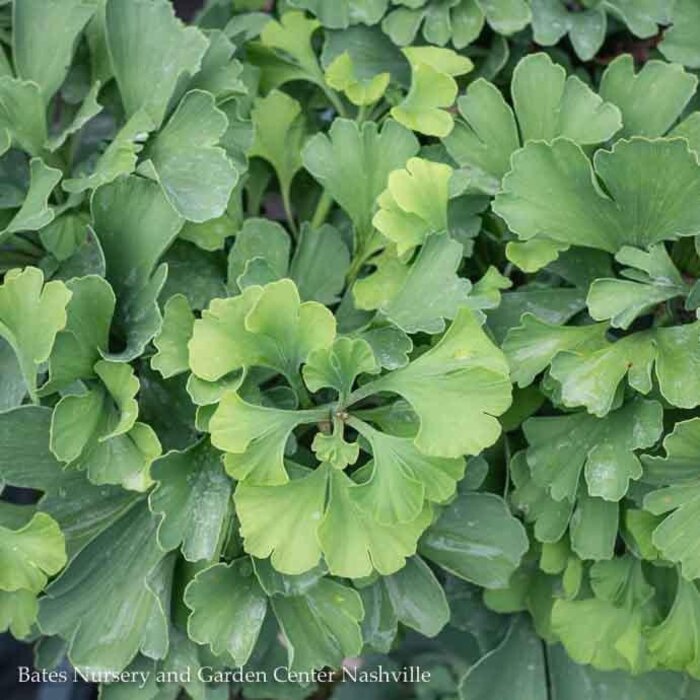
{"x": 31, "y": 314}
{"x": 433, "y": 90}
{"x": 122, "y": 574}
{"x": 192, "y": 497}
{"x": 97, "y": 430}
{"x": 281, "y": 521}
{"x": 354, "y": 543}
{"x": 296, "y": 523}
{"x": 431, "y": 291}
{"x": 18, "y": 610}
{"x": 31, "y": 548}
{"x": 414, "y": 205}
{"x": 675, "y": 642}
{"x": 552, "y": 191}
{"x": 321, "y": 627}
{"x": 150, "y": 51}
{"x": 45, "y": 33}
{"x": 456, "y": 388}
{"x": 353, "y": 164}
{"x": 194, "y": 172}
{"x": 254, "y": 437}
{"x": 292, "y": 37}
{"x": 341, "y": 76}
{"x": 264, "y": 326}
{"x": 594, "y": 527}
{"x": 172, "y": 357}
{"x": 561, "y": 446}
{"x": 402, "y": 478}
{"x": 477, "y": 539}
{"x": 651, "y": 100}
{"x": 86, "y": 334}
{"x": 228, "y": 609}
{"x": 505, "y": 16}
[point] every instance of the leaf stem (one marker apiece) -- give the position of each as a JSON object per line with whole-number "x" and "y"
{"x": 324, "y": 205}
{"x": 287, "y": 204}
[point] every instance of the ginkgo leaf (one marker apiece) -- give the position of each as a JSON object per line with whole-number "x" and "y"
{"x": 477, "y": 539}
{"x": 650, "y": 100}
{"x": 86, "y": 334}
{"x": 150, "y": 50}
{"x": 172, "y": 357}
{"x": 433, "y": 90}
{"x": 185, "y": 158}
{"x": 22, "y": 114}
{"x": 322, "y": 626}
{"x": 604, "y": 449}
{"x": 586, "y": 28}
{"x": 317, "y": 515}
{"x": 641, "y": 16}
{"x": 679, "y": 43}
{"x": 18, "y": 611}
{"x": 675, "y": 642}
{"x": 97, "y": 430}
{"x": 546, "y": 104}
{"x": 35, "y": 212}
{"x": 192, "y": 495}
{"x": 254, "y": 437}
{"x": 228, "y": 609}
{"x": 135, "y": 225}
{"x": 590, "y": 377}
{"x": 119, "y": 158}
{"x": 354, "y": 543}
{"x": 262, "y": 240}
{"x": 456, "y": 388}
{"x": 341, "y": 14}
{"x": 414, "y": 205}
{"x": 341, "y": 76}
{"x": 31, "y": 548}
{"x": 678, "y": 473}
{"x": 653, "y": 279}
{"x": 532, "y": 346}
{"x": 402, "y": 478}
{"x": 353, "y": 163}
{"x": 45, "y": 35}
{"x": 552, "y": 191}
{"x": 418, "y": 296}
{"x": 291, "y": 36}
{"x": 280, "y": 132}
{"x": 122, "y": 573}
{"x": 31, "y": 314}
{"x": 88, "y": 109}
{"x": 339, "y": 365}
{"x": 264, "y": 326}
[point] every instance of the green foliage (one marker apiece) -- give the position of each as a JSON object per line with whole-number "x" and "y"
{"x": 355, "y": 335}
